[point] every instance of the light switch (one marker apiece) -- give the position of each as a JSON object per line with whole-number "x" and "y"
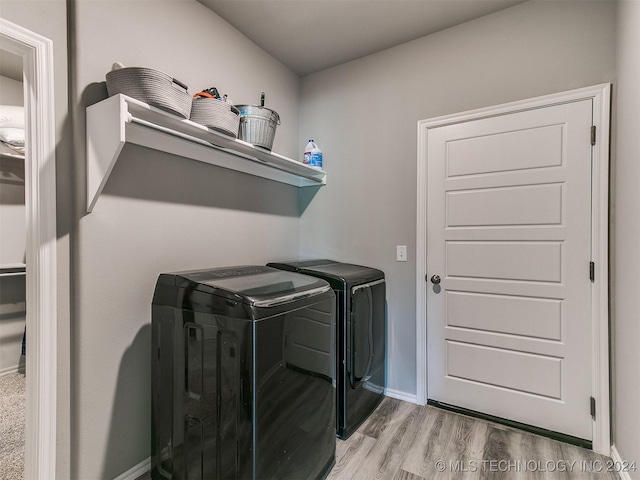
{"x": 401, "y": 253}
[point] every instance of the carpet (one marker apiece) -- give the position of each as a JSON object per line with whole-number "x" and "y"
{"x": 12, "y": 414}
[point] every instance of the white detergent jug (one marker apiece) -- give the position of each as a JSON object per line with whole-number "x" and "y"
{"x": 312, "y": 155}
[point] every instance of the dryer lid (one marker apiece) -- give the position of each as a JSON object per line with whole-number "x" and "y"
{"x": 344, "y": 272}
{"x": 253, "y": 285}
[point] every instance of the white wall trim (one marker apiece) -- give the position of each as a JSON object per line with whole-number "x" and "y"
{"x": 600, "y": 95}
{"x": 9, "y": 370}
{"x": 600, "y": 255}
{"x": 407, "y": 397}
{"x": 136, "y": 471}
{"x": 421, "y": 269}
{"x": 619, "y": 462}
{"x": 40, "y": 199}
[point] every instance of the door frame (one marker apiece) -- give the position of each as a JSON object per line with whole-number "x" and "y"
{"x": 40, "y": 205}
{"x": 601, "y": 97}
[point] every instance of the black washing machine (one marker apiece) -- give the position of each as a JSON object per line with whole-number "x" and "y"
{"x": 243, "y": 374}
{"x": 360, "y": 336}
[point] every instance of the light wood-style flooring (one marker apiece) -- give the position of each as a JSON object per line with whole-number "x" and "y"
{"x": 403, "y": 441}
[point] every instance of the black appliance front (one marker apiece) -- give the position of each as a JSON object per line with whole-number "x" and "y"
{"x": 243, "y": 366}
{"x": 360, "y": 336}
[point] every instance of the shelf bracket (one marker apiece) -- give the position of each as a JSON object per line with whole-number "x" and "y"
{"x": 105, "y": 140}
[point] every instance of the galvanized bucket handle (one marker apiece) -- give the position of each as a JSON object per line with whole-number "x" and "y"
{"x": 262, "y": 97}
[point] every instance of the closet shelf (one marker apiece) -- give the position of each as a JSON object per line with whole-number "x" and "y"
{"x": 120, "y": 119}
{"x": 4, "y": 156}
{"x": 13, "y": 269}
{"x": 8, "y": 153}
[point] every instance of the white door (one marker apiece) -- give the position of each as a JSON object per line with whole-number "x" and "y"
{"x": 509, "y": 234}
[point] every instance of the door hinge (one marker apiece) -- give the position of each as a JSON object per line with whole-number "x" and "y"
{"x": 593, "y": 407}
{"x": 593, "y": 135}
{"x": 592, "y": 271}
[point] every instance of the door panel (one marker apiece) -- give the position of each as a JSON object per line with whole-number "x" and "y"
{"x": 509, "y": 232}
{"x": 502, "y": 152}
{"x": 500, "y": 207}
{"x": 498, "y": 367}
{"x": 528, "y": 317}
{"x": 516, "y": 261}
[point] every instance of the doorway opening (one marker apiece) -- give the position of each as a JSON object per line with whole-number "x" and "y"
{"x": 36, "y": 53}
{"x": 468, "y": 263}
{"x": 12, "y": 265}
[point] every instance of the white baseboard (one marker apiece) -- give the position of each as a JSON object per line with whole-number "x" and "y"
{"x": 407, "y": 397}
{"x": 8, "y": 370}
{"x": 135, "y": 471}
{"x": 617, "y": 459}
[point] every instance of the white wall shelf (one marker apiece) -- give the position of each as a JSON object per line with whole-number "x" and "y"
{"x": 120, "y": 119}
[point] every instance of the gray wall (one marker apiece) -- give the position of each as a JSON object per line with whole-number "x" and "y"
{"x": 12, "y": 322}
{"x": 10, "y": 91}
{"x": 363, "y": 115}
{"x": 626, "y": 250}
{"x": 160, "y": 212}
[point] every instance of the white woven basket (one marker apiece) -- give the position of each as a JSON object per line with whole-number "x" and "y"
{"x": 216, "y": 114}
{"x": 151, "y": 86}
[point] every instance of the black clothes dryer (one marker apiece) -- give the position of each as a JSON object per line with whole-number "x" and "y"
{"x": 360, "y": 336}
{"x": 243, "y": 372}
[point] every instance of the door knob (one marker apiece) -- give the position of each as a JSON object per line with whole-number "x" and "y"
{"x": 435, "y": 279}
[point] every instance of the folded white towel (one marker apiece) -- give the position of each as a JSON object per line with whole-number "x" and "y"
{"x": 7, "y": 150}
{"x": 11, "y": 116}
{"x": 12, "y": 136}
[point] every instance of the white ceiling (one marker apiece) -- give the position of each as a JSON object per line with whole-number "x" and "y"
{"x": 311, "y": 35}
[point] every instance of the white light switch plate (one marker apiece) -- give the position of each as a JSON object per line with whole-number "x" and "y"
{"x": 401, "y": 253}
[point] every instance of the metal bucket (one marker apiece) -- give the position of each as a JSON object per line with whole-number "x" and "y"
{"x": 258, "y": 125}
